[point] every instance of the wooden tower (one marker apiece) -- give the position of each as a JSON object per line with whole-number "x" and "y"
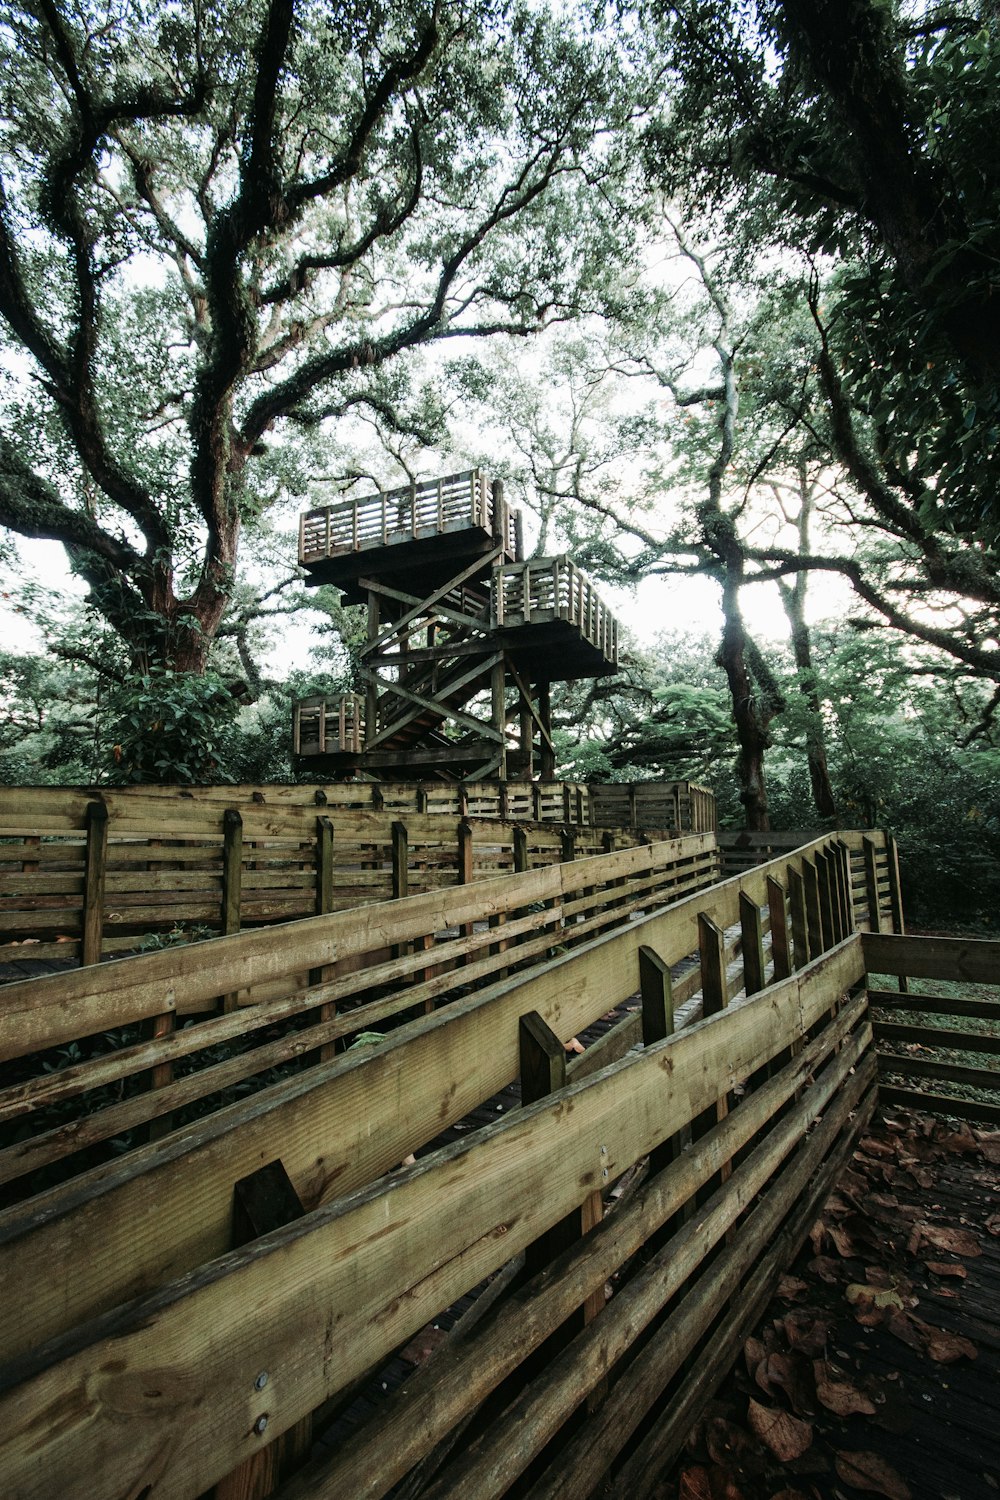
{"x": 464, "y": 636}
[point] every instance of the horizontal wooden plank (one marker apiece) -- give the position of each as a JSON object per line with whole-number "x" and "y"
{"x": 433, "y": 1232}
{"x": 38, "y": 1013}
{"x": 411, "y": 1421}
{"x": 942, "y": 1005}
{"x": 934, "y": 1068}
{"x": 936, "y": 1036}
{"x": 940, "y": 1104}
{"x": 976, "y": 960}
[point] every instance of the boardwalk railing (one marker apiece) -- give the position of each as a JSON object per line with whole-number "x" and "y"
{"x": 939, "y": 1042}
{"x": 175, "y": 1317}
{"x": 547, "y": 589}
{"x": 87, "y": 873}
{"x": 84, "y": 876}
{"x": 655, "y": 804}
{"x": 430, "y": 508}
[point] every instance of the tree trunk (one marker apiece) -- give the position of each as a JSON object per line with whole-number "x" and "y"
{"x": 750, "y": 715}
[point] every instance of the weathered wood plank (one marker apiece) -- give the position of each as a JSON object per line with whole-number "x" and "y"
{"x": 976, "y": 960}
{"x": 438, "y": 1397}
{"x": 351, "y": 1259}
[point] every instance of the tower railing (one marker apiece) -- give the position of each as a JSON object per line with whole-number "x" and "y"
{"x": 544, "y": 589}
{"x": 429, "y": 508}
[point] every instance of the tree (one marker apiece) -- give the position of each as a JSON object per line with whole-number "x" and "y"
{"x": 225, "y": 227}
{"x": 864, "y": 133}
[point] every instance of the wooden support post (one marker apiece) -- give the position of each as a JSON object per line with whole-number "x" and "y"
{"x": 520, "y": 851}
{"x": 567, "y": 845}
{"x": 543, "y": 1072}
{"x": 498, "y": 683}
{"x": 546, "y": 756}
{"x": 871, "y": 884}
{"x": 715, "y": 998}
{"x": 264, "y": 1201}
{"x": 895, "y": 898}
{"x": 828, "y": 909}
{"x": 781, "y": 953}
{"x": 814, "y": 921}
{"x": 846, "y": 887}
{"x": 92, "y": 935}
{"x": 752, "y": 931}
{"x": 712, "y": 958}
{"x": 400, "y": 861}
{"x": 232, "y": 882}
{"x": 800, "y": 922}
{"x": 657, "y": 994}
{"x": 232, "y": 870}
{"x": 162, "y": 1074}
{"x": 324, "y": 905}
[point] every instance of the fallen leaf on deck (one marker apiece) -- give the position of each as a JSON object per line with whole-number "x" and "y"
{"x": 989, "y": 1145}
{"x": 961, "y": 1139}
{"x": 946, "y": 1347}
{"x": 785, "y": 1435}
{"x": 753, "y": 1353}
{"x": 694, "y": 1485}
{"x": 942, "y": 1237}
{"x": 791, "y": 1289}
{"x": 729, "y": 1445}
{"x": 866, "y": 1471}
{"x": 942, "y": 1268}
{"x": 791, "y": 1373}
{"x": 805, "y": 1330}
{"x": 423, "y": 1345}
{"x": 573, "y": 1045}
{"x": 843, "y": 1243}
{"x": 839, "y": 1395}
{"x": 993, "y": 1224}
{"x": 826, "y": 1268}
{"x": 871, "y": 1302}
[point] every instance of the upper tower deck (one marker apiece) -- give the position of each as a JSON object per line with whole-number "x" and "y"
{"x": 444, "y": 524}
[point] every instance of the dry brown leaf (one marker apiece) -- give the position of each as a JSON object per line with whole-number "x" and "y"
{"x": 866, "y": 1471}
{"x": 989, "y": 1145}
{"x": 942, "y": 1237}
{"x": 791, "y": 1289}
{"x": 946, "y": 1347}
{"x": 423, "y": 1345}
{"x": 993, "y": 1224}
{"x": 785, "y": 1435}
{"x": 793, "y": 1374}
{"x": 694, "y": 1484}
{"x": 805, "y": 1330}
{"x": 753, "y": 1353}
{"x": 871, "y": 1147}
{"x": 825, "y": 1267}
{"x": 839, "y": 1395}
{"x": 842, "y": 1241}
{"x": 943, "y": 1268}
{"x": 817, "y": 1236}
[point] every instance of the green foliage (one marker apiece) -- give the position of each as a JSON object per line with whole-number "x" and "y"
{"x": 167, "y": 727}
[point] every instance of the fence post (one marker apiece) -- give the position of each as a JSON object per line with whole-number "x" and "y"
{"x": 871, "y": 885}
{"x": 232, "y": 881}
{"x": 92, "y": 935}
{"x": 814, "y": 921}
{"x": 324, "y": 905}
{"x": 828, "y": 910}
{"x": 715, "y": 998}
{"x": 780, "y": 950}
{"x": 400, "y": 861}
{"x": 895, "y": 897}
{"x": 800, "y": 924}
{"x": 752, "y": 931}
{"x": 847, "y": 887}
{"x": 712, "y": 957}
{"x": 657, "y": 994}
{"x": 232, "y": 870}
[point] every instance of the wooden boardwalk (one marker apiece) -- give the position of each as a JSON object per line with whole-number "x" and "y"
{"x": 915, "y": 1215}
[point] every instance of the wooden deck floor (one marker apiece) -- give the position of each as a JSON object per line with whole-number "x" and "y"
{"x": 916, "y": 1216}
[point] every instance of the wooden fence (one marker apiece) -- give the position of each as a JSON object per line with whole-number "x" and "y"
{"x": 658, "y": 804}
{"x": 938, "y": 1049}
{"x": 176, "y": 1316}
{"x": 85, "y": 877}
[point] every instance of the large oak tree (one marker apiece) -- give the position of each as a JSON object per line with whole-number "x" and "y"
{"x": 223, "y": 226}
